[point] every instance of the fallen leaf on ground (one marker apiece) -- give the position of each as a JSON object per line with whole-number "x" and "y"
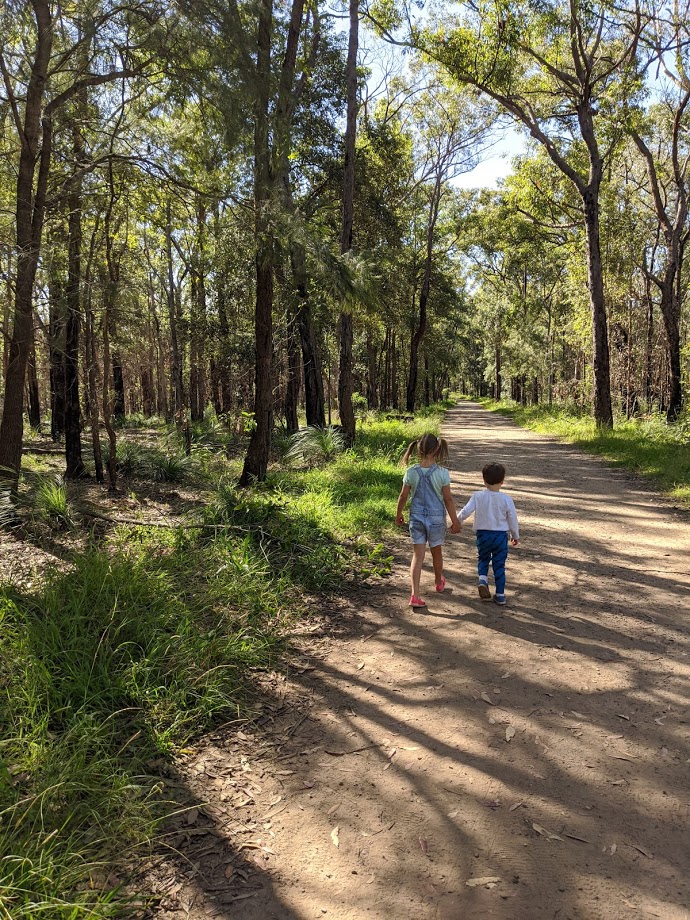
{"x": 229, "y": 871}
{"x": 516, "y": 805}
{"x": 575, "y": 837}
{"x": 642, "y": 850}
{"x": 612, "y": 850}
{"x": 192, "y": 815}
{"x": 335, "y": 836}
{"x": 333, "y": 808}
{"x": 578, "y": 715}
{"x": 510, "y": 732}
{"x": 543, "y": 831}
{"x": 285, "y": 772}
{"x": 621, "y": 716}
{"x": 478, "y": 882}
{"x": 360, "y": 666}
{"x": 424, "y": 846}
{"x": 487, "y": 699}
{"x": 491, "y": 803}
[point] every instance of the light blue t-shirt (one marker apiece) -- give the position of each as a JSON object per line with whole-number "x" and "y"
{"x": 438, "y": 478}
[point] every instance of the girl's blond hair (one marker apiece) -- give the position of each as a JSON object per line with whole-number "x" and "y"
{"x": 427, "y": 445}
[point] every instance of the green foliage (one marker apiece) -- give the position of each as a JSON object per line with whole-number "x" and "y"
{"x": 51, "y": 503}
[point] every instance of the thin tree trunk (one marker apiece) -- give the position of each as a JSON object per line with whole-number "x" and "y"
{"x": 347, "y": 415}
{"x": 603, "y": 412}
{"x": 74, "y": 465}
{"x": 34, "y": 397}
{"x": 418, "y": 333}
{"x": 256, "y": 460}
{"x": 176, "y": 369}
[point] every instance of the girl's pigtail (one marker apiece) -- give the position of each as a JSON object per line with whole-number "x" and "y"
{"x": 412, "y": 446}
{"x": 442, "y": 453}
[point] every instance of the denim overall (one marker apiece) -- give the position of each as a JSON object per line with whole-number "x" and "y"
{"x": 427, "y": 512}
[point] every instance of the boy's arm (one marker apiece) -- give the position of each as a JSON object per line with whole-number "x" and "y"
{"x": 448, "y": 501}
{"x": 402, "y": 501}
{"x": 468, "y": 509}
{"x": 512, "y": 521}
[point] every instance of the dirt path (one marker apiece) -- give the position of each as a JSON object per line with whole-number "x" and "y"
{"x": 395, "y": 743}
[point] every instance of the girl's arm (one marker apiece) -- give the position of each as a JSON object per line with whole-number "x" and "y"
{"x": 402, "y": 501}
{"x": 455, "y": 525}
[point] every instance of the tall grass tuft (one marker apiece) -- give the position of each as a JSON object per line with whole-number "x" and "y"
{"x": 314, "y": 445}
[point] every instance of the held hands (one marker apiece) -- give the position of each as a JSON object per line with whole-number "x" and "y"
{"x": 455, "y": 527}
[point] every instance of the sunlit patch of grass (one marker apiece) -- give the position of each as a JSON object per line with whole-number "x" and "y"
{"x": 648, "y": 445}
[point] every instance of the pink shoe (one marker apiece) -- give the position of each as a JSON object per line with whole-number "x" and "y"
{"x": 441, "y": 586}
{"x": 416, "y": 602}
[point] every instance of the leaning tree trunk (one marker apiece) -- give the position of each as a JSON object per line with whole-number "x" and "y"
{"x": 35, "y": 151}
{"x": 347, "y": 415}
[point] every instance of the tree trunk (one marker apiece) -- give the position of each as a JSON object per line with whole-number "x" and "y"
{"x": 372, "y": 401}
{"x": 256, "y": 460}
{"x": 31, "y": 198}
{"x": 74, "y": 465}
{"x": 418, "y": 333}
{"x": 347, "y": 415}
{"x": 603, "y": 412}
{"x": 311, "y": 363}
{"x": 292, "y": 383}
{"x": 34, "y": 399}
{"x": 176, "y": 369}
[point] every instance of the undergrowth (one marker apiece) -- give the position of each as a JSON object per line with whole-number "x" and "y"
{"x": 647, "y": 445}
{"x": 150, "y": 639}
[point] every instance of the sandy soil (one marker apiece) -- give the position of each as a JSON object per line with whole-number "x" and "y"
{"x": 469, "y": 762}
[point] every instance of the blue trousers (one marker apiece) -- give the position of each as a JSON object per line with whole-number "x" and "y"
{"x": 492, "y": 547}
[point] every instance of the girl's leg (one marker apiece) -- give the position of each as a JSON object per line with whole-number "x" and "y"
{"x": 419, "y": 551}
{"x": 437, "y": 559}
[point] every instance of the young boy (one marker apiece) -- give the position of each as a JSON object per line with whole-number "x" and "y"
{"x": 495, "y": 521}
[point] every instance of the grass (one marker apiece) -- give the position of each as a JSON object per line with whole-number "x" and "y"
{"x": 152, "y": 639}
{"x": 649, "y": 446}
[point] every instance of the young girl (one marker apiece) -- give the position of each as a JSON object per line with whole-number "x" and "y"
{"x": 429, "y": 485}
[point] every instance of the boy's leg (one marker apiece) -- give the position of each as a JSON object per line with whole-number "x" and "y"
{"x": 483, "y": 560}
{"x": 498, "y": 561}
{"x": 419, "y": 551}
{"x": 437, "y": 559}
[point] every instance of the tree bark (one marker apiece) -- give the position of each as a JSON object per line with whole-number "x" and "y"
{"x": 256, "y": 460}
{"x": 36, "y": 142}
{"x": 347, "y": 415}
{"x": 34, "y": 396}
{"x": 74, "y": 465}
{"x": 603, "y": 411}
{"x": 418, "y": 333}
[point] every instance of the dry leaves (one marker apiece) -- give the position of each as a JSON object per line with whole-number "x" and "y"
{"x": 335, "y": 837}
{"x": 487, "y": 699}
{"x": 423, "y": 845}
{"x": 510, "y": 732}
{"x": 490, "y": 881}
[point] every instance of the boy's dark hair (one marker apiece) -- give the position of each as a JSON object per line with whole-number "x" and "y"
{"x": 493, "y": 474}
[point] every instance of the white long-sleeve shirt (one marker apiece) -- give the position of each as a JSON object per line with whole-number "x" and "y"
{"x": 492, "y": 511}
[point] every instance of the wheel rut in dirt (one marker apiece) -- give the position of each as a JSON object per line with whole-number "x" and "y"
{"x": 467, "y": 761}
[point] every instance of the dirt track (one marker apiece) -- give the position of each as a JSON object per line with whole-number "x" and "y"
{"x": 394, "y": 744}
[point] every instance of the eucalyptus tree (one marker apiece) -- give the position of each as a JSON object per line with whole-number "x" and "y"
{"x": 560, "y": 70}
